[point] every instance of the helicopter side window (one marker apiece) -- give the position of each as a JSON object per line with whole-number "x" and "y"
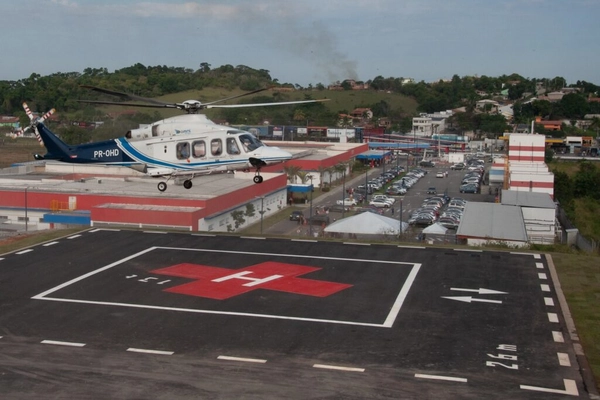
{"x": 216, "y": 147}
{"x": 183, "y": 150}
{"x": 232, "y": 147}
{"x": 199, "y": 149}
{"x": 250, "y": 143}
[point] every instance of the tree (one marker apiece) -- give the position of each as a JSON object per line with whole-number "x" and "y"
{"x": 574, "y": 105}
{"x": 587, "y": 181}
{"x": 292, "y": 172}
{"x": 563, "y": 189}
{"x": 204, "y": 67}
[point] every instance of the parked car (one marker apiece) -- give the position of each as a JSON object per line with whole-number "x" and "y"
{"x": 379, "y": 203}
{"x": 423, "y": 219}
{"x": 426, "y": 163}
{"x": 431, "y": 190}
{"x": 348, "y": 202}
{"x": 440, "y": 174}
{"x": 458, "y": 166}
{"x": 395, "y": 191}
{"x": 385, "y": 198}
{"x": 296, "y": 215}
{"x": 469, "y": 188}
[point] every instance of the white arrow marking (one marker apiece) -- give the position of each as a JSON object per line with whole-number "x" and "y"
{"x": 479, "y": 291}
{"x": 470, "y": 299}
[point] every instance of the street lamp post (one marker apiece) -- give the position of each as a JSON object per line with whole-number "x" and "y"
{"x": 311, "y": 203}
{"x": 400, "y": 220}
{"x": 366, "y": 201}
{"x": 26, "y": 216}
{"x": 344, "y": 192}
{"x": 414, "y": 142}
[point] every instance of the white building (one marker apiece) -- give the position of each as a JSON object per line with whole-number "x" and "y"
{"x": 539, "y": 214}
{"x": 527, "y": 170}
{"x": 426, "y": 125}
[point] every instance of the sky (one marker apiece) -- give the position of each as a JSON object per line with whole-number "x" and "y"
{"x": 307, "y": 41}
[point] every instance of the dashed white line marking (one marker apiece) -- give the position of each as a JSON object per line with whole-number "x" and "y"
{"x": 570, "y": 388}
{"x": 441, "y": 378}
{"x": 357, "y": 243}
{"x": 1, "y": 258}
{"x": 59, "y": 343}
{"x": 541, "y": 275}
{"x": 548, "y": 301}
{"x": 305, "y": 240}
{"x": 558, "y": 337}
{"x": 538, "y": 256}
{"x": 338, "y": 368}
{"x": 539, "y": 265}
{"x": 73, "y": 237}
{"x": 242, "y": 359}
{"x": 563, "y": 359}
{"x": 253, "y": 238}
{"x": 105, "y": 229}
{"x": 545, "y": 288}
{"x": 469, "y": 250}
{"x": 147, "y": 351}
{"x": 24, "y": 251}
{"x": 50, "y": 244}
{"x": 552, "y": 317}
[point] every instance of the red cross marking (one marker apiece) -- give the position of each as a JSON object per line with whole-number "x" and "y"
{"x": 222, "y": 283}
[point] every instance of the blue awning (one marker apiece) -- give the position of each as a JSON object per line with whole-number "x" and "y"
{"x": 299, "y": 188}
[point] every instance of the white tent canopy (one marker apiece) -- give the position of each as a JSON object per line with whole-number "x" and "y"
{"x": 435, "y": 229}
{"x": 367, "y": 223}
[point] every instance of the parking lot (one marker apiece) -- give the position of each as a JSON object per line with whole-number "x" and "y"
{"x": 405, "y": 205}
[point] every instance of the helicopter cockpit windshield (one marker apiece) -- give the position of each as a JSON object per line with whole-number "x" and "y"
{"x": 249, "y": 142}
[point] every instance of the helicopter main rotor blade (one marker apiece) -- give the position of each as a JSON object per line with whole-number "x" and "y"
{"x": 237, "y": 96}
{"x": 281, "y": 103}
{"x": 124, "y": 96}
{"x": 116, "y": 103}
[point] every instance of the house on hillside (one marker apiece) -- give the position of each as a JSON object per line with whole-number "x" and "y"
{"x": 549, "y": 125}
{"x": 10, "y": 122}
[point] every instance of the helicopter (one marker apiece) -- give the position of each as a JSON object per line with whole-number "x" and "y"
{"x": 184, "y": 146}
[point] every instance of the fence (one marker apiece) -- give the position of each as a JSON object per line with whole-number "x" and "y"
{"x": 571, "y": 235}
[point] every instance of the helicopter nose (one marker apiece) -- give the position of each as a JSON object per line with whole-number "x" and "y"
{"x": 274, "y": 154}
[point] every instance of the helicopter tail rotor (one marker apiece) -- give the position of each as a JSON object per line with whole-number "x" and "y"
{"x": 33, "y": 122}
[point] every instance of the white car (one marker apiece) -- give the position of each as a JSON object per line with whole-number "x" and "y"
{"x": 379, "y": 203}
{"x": 347, "y": 202}
{"x": 440, "y": 175}
{"x": 385, "y": 198}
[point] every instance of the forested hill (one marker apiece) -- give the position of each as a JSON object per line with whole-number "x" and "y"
{"x": 392, "y": 98}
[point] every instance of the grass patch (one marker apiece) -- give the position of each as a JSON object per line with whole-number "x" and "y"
{"x": 580, "y": 280}
{"x": 22, "y": 240}
{"x": 18, "y": 150}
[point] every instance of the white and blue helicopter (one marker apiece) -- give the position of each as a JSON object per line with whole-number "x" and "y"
{"x": 183, "y": 146}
